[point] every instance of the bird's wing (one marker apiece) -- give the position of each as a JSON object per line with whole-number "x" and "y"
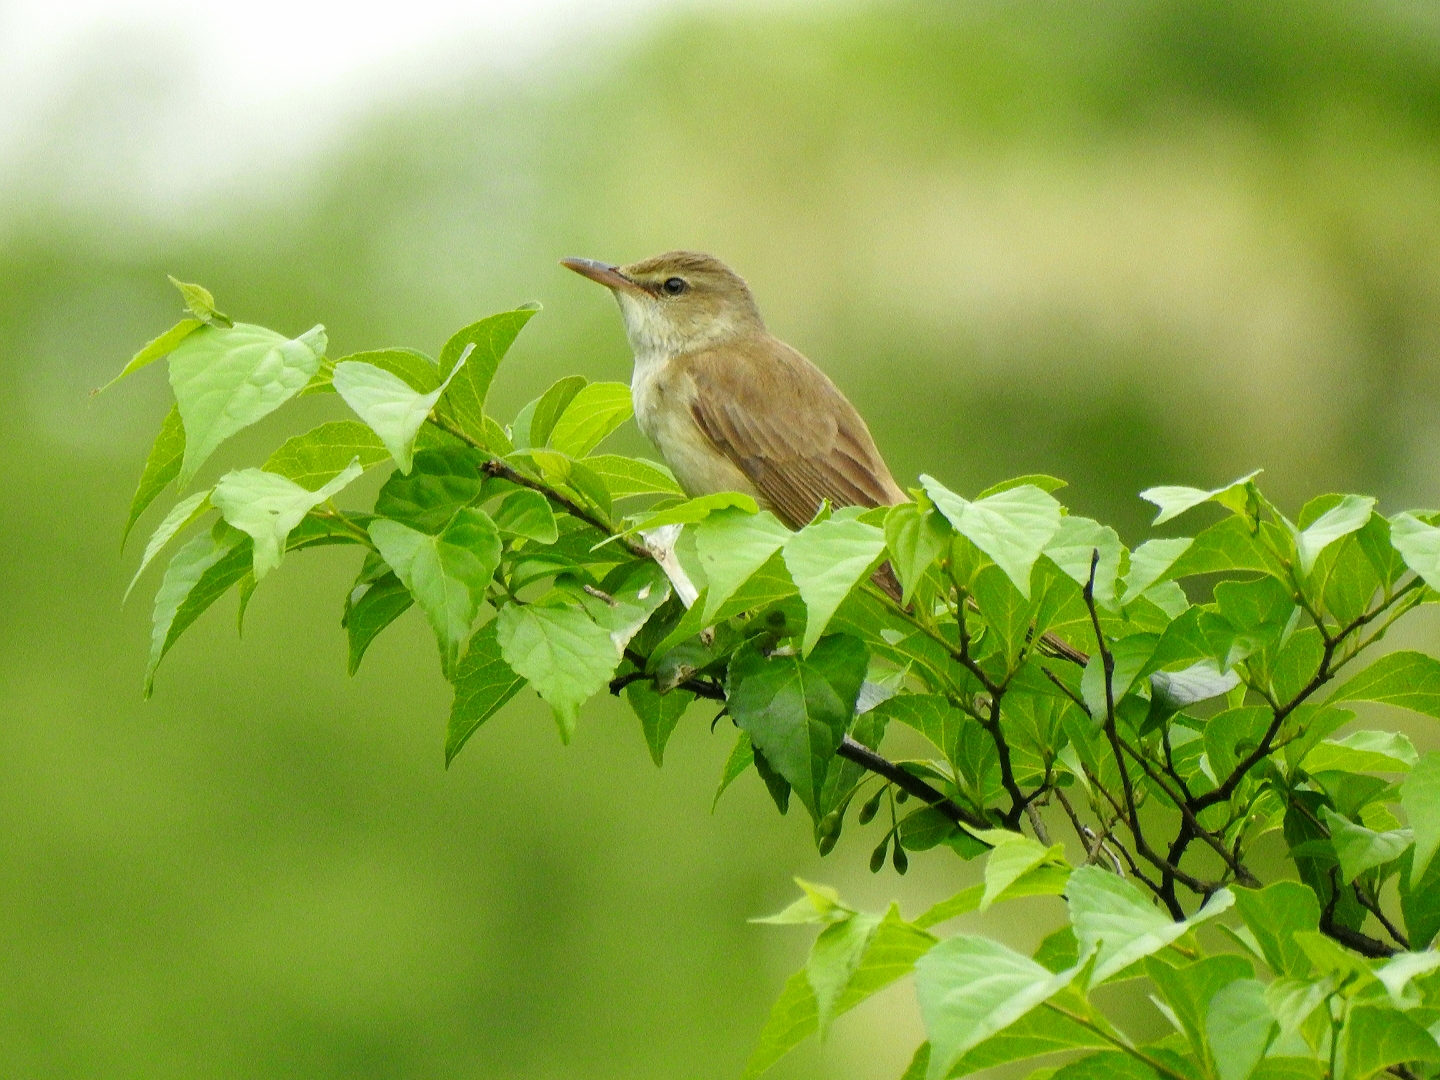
{"x": 785, "y": 426}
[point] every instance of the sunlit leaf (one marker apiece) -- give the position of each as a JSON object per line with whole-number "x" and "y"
{"x": 1239, "y": 1028}
{"x": 390, "y": 405}
{"x": 1074, "y": 545}
{"x": 527, "y": 514}
{"x": 625, "y": 476}
{"x": 536, "y": 420}
{"x": 1012, "y": 527}
{"x": 1117, "y": 921}
{"x": 1350, "y": 514}
{"x": 226, "y": 379}
{"x": 267, "y": 506}
{"x": 732, "y": 545}
{"x": 1174, "y": 501}
{"x": 593, "y": 413}
{"x": 563, "y": 653}
{"x": 826, "y": 560}
{"x": 181, "y": 515}
{"x": 970, "y": 988}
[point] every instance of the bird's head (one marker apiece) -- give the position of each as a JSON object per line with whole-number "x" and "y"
{"x": 677, "y": 302}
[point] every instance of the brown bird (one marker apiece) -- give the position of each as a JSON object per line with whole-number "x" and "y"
{"x": 729, "y": 406}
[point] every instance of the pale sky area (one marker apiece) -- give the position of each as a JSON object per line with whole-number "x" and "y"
{"x": 207, "y": 86}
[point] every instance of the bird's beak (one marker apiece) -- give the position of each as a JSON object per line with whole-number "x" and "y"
{"x": 604, "y": 273}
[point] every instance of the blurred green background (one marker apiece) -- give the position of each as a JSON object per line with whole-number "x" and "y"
{"x": 1125, "y": 243}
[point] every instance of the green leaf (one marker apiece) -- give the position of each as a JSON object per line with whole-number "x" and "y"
{"x": 1114, "y": 919}
{"x": 1012, "y": 527}
{"x": 438, "y": 484}
{"x": 1190, "y": 989}
{"x": 1420, "y": 904}
{"x": 971, "y": 988}
{"x": 797, "y": 709}
{"x": 1360, "y": 849}
{"x": 488, "y": 341}
{"x": 1016, "y": 857}
{"x": 834, "y": 958}
{"x": 1291, "y": 1001}
{"x": 323, "y": 453}
{"x": 377, "y": 600}
{"x": 484, "y": 682}
{"x": 563, "y": 471}
{"x": 198, "y": 575}
{"x": 915, "y": 538}
{"x": 536, "y": 420}
{"x": 527, "y": 513}
{"x": 447, "y": 574}
{"x": 695, "y": 510}
{"x": 658, "y": 713}
{"x": 1041, "y": 480}
{"x": 227, "y": 379}
{"x": 1130, "y": 654}
{"x": 392, "y": 407}
{"x": 161, "y": 346}
{"x": 200, "y": 302}
{"x": 930, "y": 714}
{"x": 635, "y": 590}
{"x": 1008, "y": 614}
{"x": 1397, "y": 973}
{"x": 1377, "y": 1036}
{"x": 564, "y": 654}
{"x": 1348, "y": 516}
{"x": 1149, "y": 563}
{"x": 1408, "y": 679}
{"x": 181, "y": 515}
{"x": 1073, "y": 546}
{"x": 161, "y": 466}
{"x": 732, "y": 545}
{"x": 1174, "y": 501}
{"x": 625, "y": 476}
{"x": 742, "y": 756}
{"x": 593, "y": 413}
{"x": 1232, "y": 734}
{"x": 962, "y": 903}
{"x": 826, "y": 560}
{"x": 890, "y": 955}
{"x": 1238, "y": 1027}
{"x": 820, "y": 906}
{"x": 1362, "y": 751}
{"x": 415, "y": 369}
{"x": 1420, "y": 796}
{"x": 1043, "y": 1031}
{"x": 1275, "y": 914}
{"x": 1225, "y": 547}
{"x": 1419, "y": 545}
{"x": 268, "y": 506}
{"x": 1106, "y": 1065}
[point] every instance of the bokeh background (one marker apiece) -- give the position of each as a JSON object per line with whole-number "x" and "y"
{"x": 1125, "y": 243}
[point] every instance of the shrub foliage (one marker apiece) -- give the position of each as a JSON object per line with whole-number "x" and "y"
{"x": 1062, "y": 680}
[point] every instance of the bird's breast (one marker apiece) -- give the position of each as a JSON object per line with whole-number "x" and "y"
{"x": 663, "y": 397}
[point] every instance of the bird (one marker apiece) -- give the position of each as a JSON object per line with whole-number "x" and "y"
{"x": 730, "y": 406}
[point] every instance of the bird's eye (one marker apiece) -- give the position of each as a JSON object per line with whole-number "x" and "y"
{"x": 674, "y": 286}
